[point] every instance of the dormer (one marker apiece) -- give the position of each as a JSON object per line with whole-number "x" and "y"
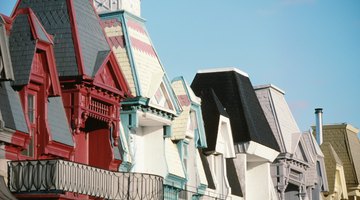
{"x": 131, "y": 6}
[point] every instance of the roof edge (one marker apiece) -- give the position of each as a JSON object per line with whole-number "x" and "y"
{"x": 265, "y": 86}
{"x": 223, "y": 69}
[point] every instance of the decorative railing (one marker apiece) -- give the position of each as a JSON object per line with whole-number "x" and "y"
{"x": 64, "y": 176}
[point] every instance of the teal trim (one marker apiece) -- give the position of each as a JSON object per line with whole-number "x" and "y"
{"x": 182, "y": 146}
{"x": 175, "y": 181}
{"x": 130, "y": 120}
{"x": 201, "y": 189}
{"x": 200, "y": 130}
{"x": 120, "y": 15}
{"x": 172, "y": 95}
{"x": 167, "y": 131}
{"x": 136, "y": 100}
{"x": 125, "y": 166}
{"x": 171, "y": 193}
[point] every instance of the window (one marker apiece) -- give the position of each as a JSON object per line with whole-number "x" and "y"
{"x": 31, "y": 114}
{"x": 31, "y": 108}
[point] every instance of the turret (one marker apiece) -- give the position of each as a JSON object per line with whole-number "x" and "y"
{"x": 131, "y": 6}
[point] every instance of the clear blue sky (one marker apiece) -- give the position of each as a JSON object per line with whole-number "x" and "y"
{"x": 309, "y": 48}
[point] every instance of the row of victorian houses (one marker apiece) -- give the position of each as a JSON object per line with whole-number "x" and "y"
{"x": 87, "y": 111}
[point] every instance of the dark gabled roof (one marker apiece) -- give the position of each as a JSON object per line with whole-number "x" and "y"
{"x": 211, "y": 111}
{"x": 233, "y": 178}
{"x": 58, "y": 122}
{"x": 207, "y": 170}
{"x": 11, "y": 108}
{"x": 22, "y": 49}
{"x": 54, "y": 16}
{"x": 236, "y": 93}
{"x": 5, "y": 193}
{"x": 92, "y": 38}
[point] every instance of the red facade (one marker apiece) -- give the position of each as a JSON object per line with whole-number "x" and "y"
{"x": 91, "y": 104}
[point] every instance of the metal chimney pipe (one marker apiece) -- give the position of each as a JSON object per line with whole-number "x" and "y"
{"x": 319, "y": 125}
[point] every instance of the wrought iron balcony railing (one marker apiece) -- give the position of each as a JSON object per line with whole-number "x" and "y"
{"x": 64, "y": 176}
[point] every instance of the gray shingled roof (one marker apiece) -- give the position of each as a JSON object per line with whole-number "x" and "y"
{"x": 22, "y": 49}
{"x": 11, "y": 108}
{"x": 92, "y": 38}
{"x": 59, "y": 126}
{"x": 54, "y": 16}
{"x": 237, "y": 95}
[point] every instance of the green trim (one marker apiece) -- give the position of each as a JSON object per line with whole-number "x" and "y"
{"x": 141, "y": 104}
{"x": 201, "y": 189}
{"x": 175, "y": 181}
{"x": 167, "y": 131}
{"x": 125, "y": 166}
{"x": 200, "y": 131}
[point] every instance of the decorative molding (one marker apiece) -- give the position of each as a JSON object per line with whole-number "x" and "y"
{"x": 59, "y": 175}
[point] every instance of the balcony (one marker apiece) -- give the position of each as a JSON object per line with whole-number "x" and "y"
{"x": 59, "y": 176}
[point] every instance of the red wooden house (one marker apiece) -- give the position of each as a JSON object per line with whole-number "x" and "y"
{"x": 63, "y": 89}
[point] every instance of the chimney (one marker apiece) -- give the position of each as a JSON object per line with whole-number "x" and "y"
{"x": 319, "y": 125}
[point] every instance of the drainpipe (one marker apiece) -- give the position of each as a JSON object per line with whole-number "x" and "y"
{"x": 319, "y": 125}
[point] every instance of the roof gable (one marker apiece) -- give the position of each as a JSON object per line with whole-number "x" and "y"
{"x": 92, "y": 39}
{"x": 138, "y": 59}
{"x": 212, "y": 110}
{"x": 237, "y": 95}
{"x": 6, "y": 71}
{"x": 191, "y": 113}
{"x": 11, "y": 110}
{"x": 78, "y": 37}
{"x": 109, "y": 75}
{"x": 279, "y": 116}
{"x": 56, "y": 18}
{"x": 22, "y": 49}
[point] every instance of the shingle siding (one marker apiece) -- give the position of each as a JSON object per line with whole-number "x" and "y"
{"x": 59, "y": 126}
{"x": 54, "y": 16}
{"x": 235, "y": 92}
{"x": 91, "y": 36}
{"x": 22, "y": 49}
{"x": 11, "y": 108}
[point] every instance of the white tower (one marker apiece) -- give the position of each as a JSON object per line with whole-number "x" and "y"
{"x": 131, "y": 6}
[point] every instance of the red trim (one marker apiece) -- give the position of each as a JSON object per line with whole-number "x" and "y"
{"x": 117, "y": 41}
{"x": 20, "y": 139}
{"x": 136, "y": 26}
{"x": 118, "y": 77}
{"x": 15, "y": 8}
{"x": 52, "y": 196}
{"x": 50, "y": 59}
{"x": 75, "y": 34}
{"x": 110, "y": 23}
{"x": 58, "y": 149}
{"x": 142, "y": 46}
{"x": 34, "y": 24}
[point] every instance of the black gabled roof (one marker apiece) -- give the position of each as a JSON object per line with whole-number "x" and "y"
{"x": 11, "y": 108}
{"x": 207, "y": 170}
{"x": 55, "y": 17}
{"x": 236, "y": 93}
{"x": 211, "y": 108}
{"x": 58, "y": 122}
{"x": 22, "y": 49}
{"x": 233, "y": 178}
